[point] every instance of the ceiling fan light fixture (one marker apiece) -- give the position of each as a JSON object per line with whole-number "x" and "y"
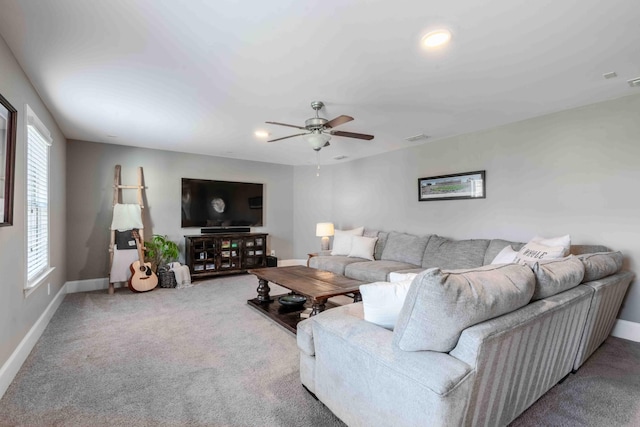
{"x": 317, "y": 140}
{"x": 436, "y": 38}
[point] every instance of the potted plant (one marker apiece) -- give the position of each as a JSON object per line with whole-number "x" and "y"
{"x": 161, "y": 251}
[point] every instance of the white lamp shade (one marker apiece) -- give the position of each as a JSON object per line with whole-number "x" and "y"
{"x": 324, "y": 229}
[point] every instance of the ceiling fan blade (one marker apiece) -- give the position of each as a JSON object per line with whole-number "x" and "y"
{"x": 340, "y": 120}
{"x": 285, "y": 137}
{"x": 351, "y": 135}
{"x": 284, "y": 124}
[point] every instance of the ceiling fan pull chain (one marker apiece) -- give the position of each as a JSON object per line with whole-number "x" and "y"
{"x": 318, "y": 162}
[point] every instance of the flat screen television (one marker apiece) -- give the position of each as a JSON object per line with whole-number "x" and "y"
{"x": 208, "y": 203}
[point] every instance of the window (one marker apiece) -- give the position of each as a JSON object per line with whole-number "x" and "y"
{"x": 38, "y": 143}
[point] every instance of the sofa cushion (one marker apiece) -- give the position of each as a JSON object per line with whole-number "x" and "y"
{"x": 587, "y": 249}
{"x": 601, "y": 264}
{"x": 342, "y": 240}
{"x": 380, "y": 244}
{"x": 556, "y": 275}
{"x": 452, "y": 254}
{"x": 363, "y": 247}
{"x": 382, "y": 301}
{"x": 441, "y": 304}
{"x": 496, "y": 245}
{"x": 370, "y": 232}
{"x": 404, "y": 247}
{"x": 335, "y": 264}
{"x": 375, "y": 271}
{"x": 534, "y": 252}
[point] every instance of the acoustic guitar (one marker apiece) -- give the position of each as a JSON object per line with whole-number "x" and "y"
{"x": 142, "y": 279}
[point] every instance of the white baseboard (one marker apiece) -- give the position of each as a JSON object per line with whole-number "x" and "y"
{"x": 626, "y": 330}
{"x": 10, "y": 369}
{"x": 87, "y": 285}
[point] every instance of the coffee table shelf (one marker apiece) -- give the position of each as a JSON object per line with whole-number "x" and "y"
{"x": 286, "y": 316}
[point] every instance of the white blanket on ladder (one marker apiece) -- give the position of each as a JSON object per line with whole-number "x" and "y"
{"x": 122, "y": 260}
{"x": 126, "y": 217}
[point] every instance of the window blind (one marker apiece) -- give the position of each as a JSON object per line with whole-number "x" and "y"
{"x": 38, "y": 143}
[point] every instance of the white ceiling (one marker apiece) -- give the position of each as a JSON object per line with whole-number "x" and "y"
{"x": 201, "y": 76}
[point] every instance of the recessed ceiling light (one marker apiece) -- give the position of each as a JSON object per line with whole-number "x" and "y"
{"x": 262, "y": 134}
{"x": 436, "y": 38}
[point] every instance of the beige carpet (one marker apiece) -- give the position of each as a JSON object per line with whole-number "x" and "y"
{"x": 171, "y": 357}
{"x": 201, "y": 356}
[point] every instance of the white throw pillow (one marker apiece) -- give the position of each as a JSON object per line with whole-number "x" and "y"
{"x": 564, "y": 241}
{"x": 363, "y": 247}
{"x": 533, "y": 252}
{"x": 505, "y": 256}
{"x": 342, "y": 240}
{"x": 382, "y": 301}
{"x": 341, "y": 244}
{"x": 400, "y": 277}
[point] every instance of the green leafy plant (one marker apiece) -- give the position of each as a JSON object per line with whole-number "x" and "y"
{"x": 161, "y": 251}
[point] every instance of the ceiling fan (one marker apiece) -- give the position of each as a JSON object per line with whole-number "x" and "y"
{"x": 319, "y": 130}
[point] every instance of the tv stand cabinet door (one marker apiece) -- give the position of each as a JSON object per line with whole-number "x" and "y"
{"x": 255, "y": 251}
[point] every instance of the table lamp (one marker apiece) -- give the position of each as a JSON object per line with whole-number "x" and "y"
{"x": 324, "y": 230}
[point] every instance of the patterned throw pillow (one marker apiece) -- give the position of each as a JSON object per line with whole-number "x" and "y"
{"x": 533, "y": 252}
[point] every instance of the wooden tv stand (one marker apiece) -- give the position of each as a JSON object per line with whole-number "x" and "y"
{"x": 209, "y": 255}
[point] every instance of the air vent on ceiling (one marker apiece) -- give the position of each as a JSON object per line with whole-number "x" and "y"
{"x": 339, "y": 157}
{"x": 610, "y": 75}
{"x": 634, "y": 82}
{"x": 416, "y": 137}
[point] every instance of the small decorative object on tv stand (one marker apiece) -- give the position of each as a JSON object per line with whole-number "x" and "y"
{"x": 209, "y": 255}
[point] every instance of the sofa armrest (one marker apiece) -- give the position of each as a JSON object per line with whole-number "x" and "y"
{"x": 605, "y": 305}
{"x": 363, "y": 379}
{"x": 439, "y": 372}
{"x": 304, "y": 337}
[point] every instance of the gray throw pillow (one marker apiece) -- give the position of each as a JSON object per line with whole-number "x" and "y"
{"x": 404, "y": 247}
{"x": 599, "y": 265}
{"x": 556, "y": 275}
{"x": 441, "y": 304}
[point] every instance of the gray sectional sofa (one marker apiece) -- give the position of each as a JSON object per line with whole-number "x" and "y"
{"x": 501, "y": 353}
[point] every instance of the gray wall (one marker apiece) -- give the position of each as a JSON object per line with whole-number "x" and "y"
{"x": 572, "y": 172}
{"x": 17, "y": 312}
{"x": 90, "y": 195}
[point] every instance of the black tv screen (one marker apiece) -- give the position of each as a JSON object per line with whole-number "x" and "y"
{"x": 207, "y": 203}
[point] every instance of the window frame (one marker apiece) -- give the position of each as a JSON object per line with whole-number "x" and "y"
{"x": 33, "y": 123}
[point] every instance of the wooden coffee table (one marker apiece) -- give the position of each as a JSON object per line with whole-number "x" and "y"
{"x": 317, "y": 285}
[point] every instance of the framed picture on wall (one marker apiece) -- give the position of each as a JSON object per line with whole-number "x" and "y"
{"x": 468, "y": 185}
{"x": 8, "y": 123}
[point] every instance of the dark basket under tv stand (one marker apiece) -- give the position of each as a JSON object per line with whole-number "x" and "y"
{"x": 209, "y": 255}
